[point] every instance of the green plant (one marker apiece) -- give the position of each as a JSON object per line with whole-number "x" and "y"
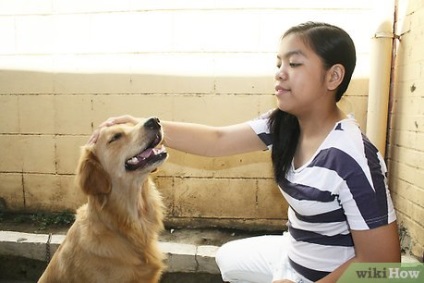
{"x": 404, "y": 238}
{"x": 44, "y": 220}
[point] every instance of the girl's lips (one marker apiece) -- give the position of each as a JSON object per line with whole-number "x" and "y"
{"x": 280, "y": 90}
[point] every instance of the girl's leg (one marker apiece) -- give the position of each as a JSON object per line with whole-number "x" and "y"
{"x": 253, "y": 260}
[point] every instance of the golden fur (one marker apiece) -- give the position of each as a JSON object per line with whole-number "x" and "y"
{"x": 115, "y": 235}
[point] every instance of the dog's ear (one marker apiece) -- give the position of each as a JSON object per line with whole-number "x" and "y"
{"x": 91, "y": 176}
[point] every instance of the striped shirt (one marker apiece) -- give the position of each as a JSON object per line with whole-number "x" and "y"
{"x": 342, "y": 187}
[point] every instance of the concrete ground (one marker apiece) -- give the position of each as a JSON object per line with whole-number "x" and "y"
{"x": 190, "y": 254}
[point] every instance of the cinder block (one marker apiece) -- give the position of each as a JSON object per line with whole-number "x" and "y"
{"x": 84, "y": 7}
{"x": 17, "y": 81}
{"x": 30, "y": 8}
{"x": 71, "y": 33}
{"x": 244, "y": 84}
{"x": 73, "y": 114}
{"x": 109, "y": 38}
{"x": 72, "y": 195}
{"x": 52, "y": 193}
{"x": 216, "y": 110}
{"x": 11, "y": 152}
{"x": 38, "y": 154}
{"x": 266, "y": 103}
{"x": 138, "y": 105}
{"x": 215, "y": 198}
{"x": 9, "y": 114}
{"x": 68, "y": 150}
{"x": 407, "y": 139}
{"x": 270, "y": 202}
{"x": 11, "y": 197}
{"x": 7, "y": 30}
{"x": 93, "y": 74}
{"x": 183, "y": 73}
{"x": 184, "y": 165}
{"x": 34, "y": 34}
{"x": 165, "y": 186}
{"x": 202, "y": 37}
{"x": 42, "y": 192}
{"x": 234, "y": 73}
{"x": 37, "y": 114}
{"x": 409, "y": 105}
{"x": 417, "y": 213}
{"x": 163, "y": 23}
{"x": 249, "y": 165}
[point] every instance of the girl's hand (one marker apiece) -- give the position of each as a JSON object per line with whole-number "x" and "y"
{"x": 112, "y": 121}
{"x": 283, "y": 281}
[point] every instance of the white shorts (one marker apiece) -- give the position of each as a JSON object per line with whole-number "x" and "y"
{"x": 257, "y": 260}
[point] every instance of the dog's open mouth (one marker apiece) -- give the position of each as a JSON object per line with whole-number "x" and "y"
{"x": 151, "y": 154}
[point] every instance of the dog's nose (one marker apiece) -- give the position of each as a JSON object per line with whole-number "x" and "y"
{"x": 153, "y": 123}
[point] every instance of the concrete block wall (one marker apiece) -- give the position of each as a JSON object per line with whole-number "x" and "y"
{"x": 406, "y": 128}
{"x": 66, "y": 66}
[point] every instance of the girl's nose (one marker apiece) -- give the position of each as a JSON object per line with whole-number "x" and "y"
{"x": 280, "y": 74}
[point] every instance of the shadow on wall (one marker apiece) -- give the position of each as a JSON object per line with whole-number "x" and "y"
{"x": 216, "y": 100}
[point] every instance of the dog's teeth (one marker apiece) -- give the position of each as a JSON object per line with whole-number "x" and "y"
{"x": 133, "y": 160}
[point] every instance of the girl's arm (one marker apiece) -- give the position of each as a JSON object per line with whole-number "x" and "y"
{"x": 375, "y": 245}
{"x": 200, "y": 139}
{"x": 211, "y": 141}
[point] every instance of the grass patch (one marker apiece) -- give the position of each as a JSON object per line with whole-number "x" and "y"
{"x": 39, "y": 220}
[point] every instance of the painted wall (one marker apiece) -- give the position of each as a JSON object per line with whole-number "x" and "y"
{"x": 66, "y": 66}
{"x": 406, "y": 128}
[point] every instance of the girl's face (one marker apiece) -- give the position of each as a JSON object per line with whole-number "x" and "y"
{"x": 300, "y": 78}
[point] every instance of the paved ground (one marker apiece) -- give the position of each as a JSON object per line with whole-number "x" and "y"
{"x": 190, "y": 254}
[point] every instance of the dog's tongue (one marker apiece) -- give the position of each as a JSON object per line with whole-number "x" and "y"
{"x": 149, "y": 152}
{"x": 145, "y": 154}
{"x": 142, "y": 158}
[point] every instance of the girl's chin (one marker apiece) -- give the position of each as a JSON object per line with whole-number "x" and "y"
{"x": 283, "y": 107}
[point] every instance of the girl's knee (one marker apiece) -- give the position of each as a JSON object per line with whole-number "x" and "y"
{"x": 222, "y": 256}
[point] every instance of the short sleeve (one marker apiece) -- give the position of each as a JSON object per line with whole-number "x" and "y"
{"x": 366, "y": 199}
{"x": 261, "y": 128}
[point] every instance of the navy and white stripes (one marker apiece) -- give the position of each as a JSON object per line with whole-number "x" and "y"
{"x": 343, "y": 187}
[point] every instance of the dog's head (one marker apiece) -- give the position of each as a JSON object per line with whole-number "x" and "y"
{"x": 123, "y": 154}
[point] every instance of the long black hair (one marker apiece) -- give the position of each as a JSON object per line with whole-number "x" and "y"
{"x": 334, "y": 46}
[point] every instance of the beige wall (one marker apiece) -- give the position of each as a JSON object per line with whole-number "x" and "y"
{"x": 65, "y": 66}
{"x": 406, "y": 129}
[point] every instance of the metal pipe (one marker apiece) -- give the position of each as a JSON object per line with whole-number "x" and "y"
{"x": 379, "y": 79}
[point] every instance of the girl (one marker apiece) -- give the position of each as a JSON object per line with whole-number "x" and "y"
{"x": 332, "y": 177}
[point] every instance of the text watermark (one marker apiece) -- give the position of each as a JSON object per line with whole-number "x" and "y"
{"x": 384, "y": 272}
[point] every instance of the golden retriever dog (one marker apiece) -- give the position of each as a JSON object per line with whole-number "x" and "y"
{"x": 115, "y": 235}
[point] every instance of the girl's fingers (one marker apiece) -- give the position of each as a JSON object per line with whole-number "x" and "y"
{"x": 110, "y": 122}
{"x": 94, "y": 137}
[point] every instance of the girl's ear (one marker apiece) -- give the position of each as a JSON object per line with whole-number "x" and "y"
{"x": 335, "y": 76}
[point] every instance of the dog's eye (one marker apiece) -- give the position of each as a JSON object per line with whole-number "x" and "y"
{"x": 115, "y": 137}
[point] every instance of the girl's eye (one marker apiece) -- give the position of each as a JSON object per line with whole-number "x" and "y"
{"x": 115, "y": 137}
{"x": 294, "y": 65}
